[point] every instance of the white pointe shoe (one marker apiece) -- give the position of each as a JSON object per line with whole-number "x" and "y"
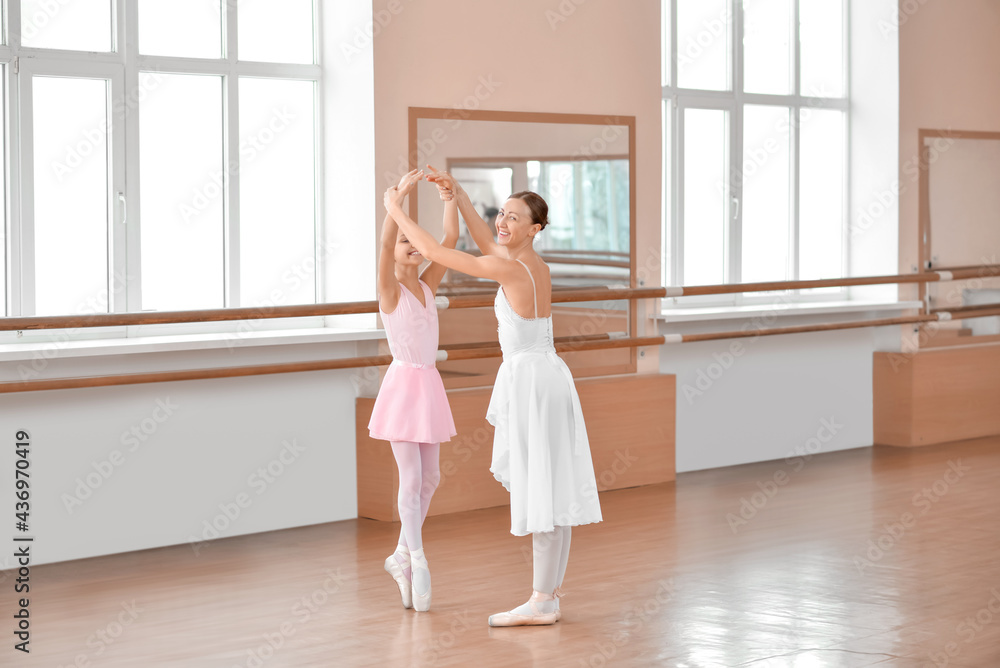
{"x": 418, "y": 562}
{"x": 396, "y": 570}
{"x": 536, "y": 618}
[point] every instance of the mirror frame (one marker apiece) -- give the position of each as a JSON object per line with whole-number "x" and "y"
{"x": 436, "y": 113}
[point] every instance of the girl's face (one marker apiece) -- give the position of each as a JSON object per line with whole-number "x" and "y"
{"x": 404, "y": 253}
{"x": 514, "y": 224}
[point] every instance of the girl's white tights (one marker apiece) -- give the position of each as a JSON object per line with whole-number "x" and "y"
{"x": 419, "y": 475}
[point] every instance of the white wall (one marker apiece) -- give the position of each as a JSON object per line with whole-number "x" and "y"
{"x": 763, "y": 398}
{"x": 131, "y": 467}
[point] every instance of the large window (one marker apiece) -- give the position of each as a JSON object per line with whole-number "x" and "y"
{"x": 164, "y": 155}
{"x": 755, "y": 141}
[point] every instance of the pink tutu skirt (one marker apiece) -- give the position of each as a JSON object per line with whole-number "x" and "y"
{"x": 412, "y": 405}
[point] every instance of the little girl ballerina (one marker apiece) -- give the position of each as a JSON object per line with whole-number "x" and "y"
{"x": 411, "y": 410}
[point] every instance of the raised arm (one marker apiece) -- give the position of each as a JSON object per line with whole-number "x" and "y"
{"x": 488, "y": 266}
{"x": 478, "y": 228}
{"x": 387, "y": 285}
{"x": 434, "y": 272}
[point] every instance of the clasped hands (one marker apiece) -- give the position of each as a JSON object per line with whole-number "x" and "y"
{"x": 395, "y": 195}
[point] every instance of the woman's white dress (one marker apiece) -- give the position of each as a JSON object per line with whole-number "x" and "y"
{"x": 541, "y": 453}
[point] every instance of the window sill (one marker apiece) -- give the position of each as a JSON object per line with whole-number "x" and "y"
{"x": 184, "y": 342}
{"x": 709, "y": 313}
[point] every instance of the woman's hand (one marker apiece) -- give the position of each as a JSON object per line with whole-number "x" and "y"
{"x": 393, "y": 197}
{"x": 443, "y": 180}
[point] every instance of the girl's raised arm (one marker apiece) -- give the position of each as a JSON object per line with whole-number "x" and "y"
{"x": 387, "y": 286}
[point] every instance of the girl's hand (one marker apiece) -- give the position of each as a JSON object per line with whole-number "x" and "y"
{"x": 445, "y": 194}
{"x": 396, "y": 194}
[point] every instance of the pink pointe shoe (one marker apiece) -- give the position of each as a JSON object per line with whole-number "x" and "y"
{"x": 418, "y": 562}
{"x": 536, "y": 618}
{"x": 395, "y": 569}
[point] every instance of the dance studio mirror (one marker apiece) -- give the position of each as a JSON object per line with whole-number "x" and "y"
{"x": 958, "y": 206}
{"x": 584, "y": 167}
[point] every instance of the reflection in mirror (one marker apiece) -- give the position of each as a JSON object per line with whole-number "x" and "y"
{"x": 582, "y": 167}
{"x": 581, "y": 170}
{"x": 587, "y": 239}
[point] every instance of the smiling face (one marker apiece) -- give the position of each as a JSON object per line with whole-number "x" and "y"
{"x": 514, "y": 223}
{"x": 404, "y": 253}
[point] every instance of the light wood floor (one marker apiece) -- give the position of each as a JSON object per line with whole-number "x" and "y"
{"x": 664, "y": 581}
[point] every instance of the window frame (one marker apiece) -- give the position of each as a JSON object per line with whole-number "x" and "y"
{"x": 124, "y": 65}
{"x": 676, "y": 99}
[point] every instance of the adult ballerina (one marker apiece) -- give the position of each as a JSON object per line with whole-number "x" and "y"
{"x": 541, "y": 453}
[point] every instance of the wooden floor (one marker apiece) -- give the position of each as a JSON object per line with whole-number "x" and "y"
{"x": 878, "y": 557}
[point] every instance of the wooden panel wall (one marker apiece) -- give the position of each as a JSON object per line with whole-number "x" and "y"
{"x": 630, "y": 421}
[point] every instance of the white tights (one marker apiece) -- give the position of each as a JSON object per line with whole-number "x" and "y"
{"x": 419, "y": 475}
{"x": 550, "y": 554}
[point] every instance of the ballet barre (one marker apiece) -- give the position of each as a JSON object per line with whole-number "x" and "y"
{"x": 484, "y": 349}
{"x": 480, "y": 350}
{"x": 592, "y": 342}
{"x": 19, "y": 323}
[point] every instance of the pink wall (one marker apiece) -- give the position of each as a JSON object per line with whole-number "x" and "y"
{"x": 573, "y": 56}
{"x": 949, "y": 78}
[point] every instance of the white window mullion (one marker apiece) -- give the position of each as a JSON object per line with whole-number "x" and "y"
{"x": 678, "y": 198}
{"x": 673, "y": 43}
{"x": 231, "y": 141}
{"x": 848, "y": 143}
{"x": 118, "y": 280}
{"x": 129, "y": 296}
{"x": 675, "y": 230}
{"x": 322, "y": 254}
{"x": 796, "y": 111}
{"x": 231, "y": 152}
{"x": 133, "y": 227}
{"x": 12, "y": 265}
{"x": 180, "y": 65}
{"x": 15, "y": 241}
{"x": 121, "y": 16}
{"x": 734, "y": 242}
{"x": 13, "y": 18}
{"x": 23, "y": 284}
